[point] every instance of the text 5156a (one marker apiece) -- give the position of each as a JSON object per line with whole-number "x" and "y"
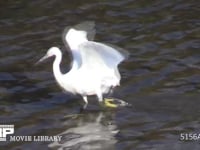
{"x": 189, "y": 136}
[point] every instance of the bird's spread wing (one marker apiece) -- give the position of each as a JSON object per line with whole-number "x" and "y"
{"x": 87, "y": 26}
{"x": 99, "y": 62}
{"x": 100, "y": 56}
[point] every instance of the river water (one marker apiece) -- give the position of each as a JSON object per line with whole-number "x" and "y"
{"x": 161, "y": 78}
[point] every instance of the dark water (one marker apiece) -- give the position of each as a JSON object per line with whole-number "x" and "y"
{"x": 161, "y": 79}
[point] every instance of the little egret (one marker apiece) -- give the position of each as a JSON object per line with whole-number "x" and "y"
{"x": 94, "y": 68}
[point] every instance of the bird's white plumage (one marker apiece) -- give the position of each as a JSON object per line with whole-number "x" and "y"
{"x": 94, "y": 69}
{"x": 74, "y": 38}
{"x": 98, "y": 62}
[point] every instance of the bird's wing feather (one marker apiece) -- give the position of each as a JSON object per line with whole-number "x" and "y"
{"x": 87, "y": 26}
{"x": 100, "y": 56}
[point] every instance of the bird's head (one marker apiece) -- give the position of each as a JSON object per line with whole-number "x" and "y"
{"x": 51, "y": 52}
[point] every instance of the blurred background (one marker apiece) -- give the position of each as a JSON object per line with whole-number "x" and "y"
{"x": 161, "y": 79}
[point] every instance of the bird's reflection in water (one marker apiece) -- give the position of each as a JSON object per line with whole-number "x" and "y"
{"x": 93, "y": 132}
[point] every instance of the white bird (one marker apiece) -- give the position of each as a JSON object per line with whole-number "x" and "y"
{"x": 94, "y": 68}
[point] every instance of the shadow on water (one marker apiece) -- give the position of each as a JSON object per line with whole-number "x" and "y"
{"x": 91, "y": 132}
{"x": 161, "y": 79}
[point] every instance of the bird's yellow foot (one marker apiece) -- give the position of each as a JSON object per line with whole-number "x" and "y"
{"x": 114, "y": 103}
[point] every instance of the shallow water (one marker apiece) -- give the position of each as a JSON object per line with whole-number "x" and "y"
{"x": 161, "y": 79}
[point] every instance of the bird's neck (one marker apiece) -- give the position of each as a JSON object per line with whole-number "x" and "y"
{"x": 56, "y": 66}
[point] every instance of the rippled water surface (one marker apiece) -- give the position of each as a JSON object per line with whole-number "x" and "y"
{"x": 161, "y": 79}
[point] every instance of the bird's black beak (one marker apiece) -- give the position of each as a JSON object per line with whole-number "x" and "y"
{"x": 42, "y": 59}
